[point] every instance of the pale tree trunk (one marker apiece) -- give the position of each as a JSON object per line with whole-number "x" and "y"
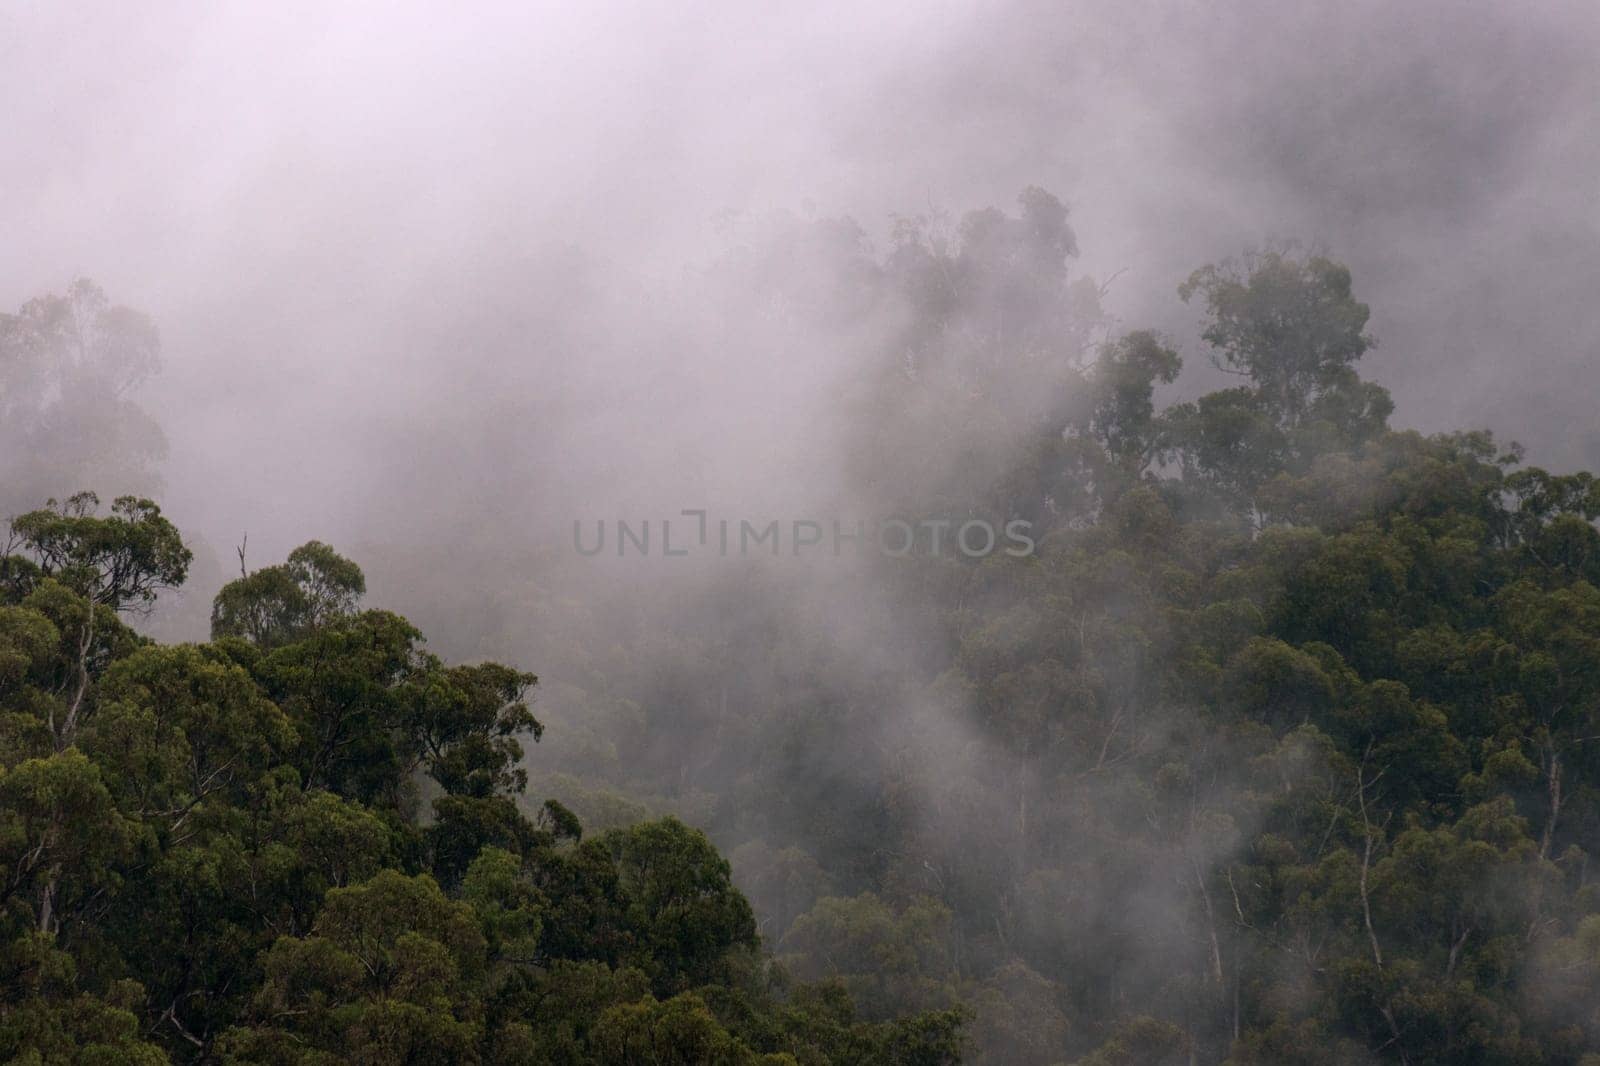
{"x": 47, "y": 901}
{"x": 1211, "y": 923}
{"x": 1366, "y": 905}
{"x": 64, "y": 734}
{"x": 1553, "y": 787}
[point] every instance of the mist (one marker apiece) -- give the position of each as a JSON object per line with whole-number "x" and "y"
{"x": 288, "y": 195}
{"x": 447, "y": 291}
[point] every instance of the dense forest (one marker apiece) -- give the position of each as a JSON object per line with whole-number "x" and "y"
{"x": 1281, "y": 747}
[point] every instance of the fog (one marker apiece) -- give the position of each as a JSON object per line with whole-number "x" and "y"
{"x": 434, "y": 287}
{"x": 285, "y": 193}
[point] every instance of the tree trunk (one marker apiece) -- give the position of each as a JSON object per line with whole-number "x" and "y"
{"x": 1553, "y": 777}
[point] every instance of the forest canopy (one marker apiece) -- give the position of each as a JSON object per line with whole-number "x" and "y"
{"x": 1283, "y": 747}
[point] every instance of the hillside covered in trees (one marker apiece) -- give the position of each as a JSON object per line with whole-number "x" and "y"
{"x": 1281, "y": 749}
{"x": 217, "y": 852}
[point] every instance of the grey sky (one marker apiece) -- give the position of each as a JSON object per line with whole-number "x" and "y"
{"x": 281, "y": 188}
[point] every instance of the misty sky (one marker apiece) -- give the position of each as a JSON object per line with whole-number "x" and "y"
{"x": 280, "y": 188}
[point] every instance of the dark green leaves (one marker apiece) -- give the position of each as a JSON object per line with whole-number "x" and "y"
{"x": 278, "y": 604}
{"x": 121, "y": 560}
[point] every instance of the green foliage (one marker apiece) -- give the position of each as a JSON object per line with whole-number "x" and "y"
{"x": 1291, "y": 326}
{"x": 1281, "y": 748}
{"x": 1294, "y": 330}
{"x": 1141, "y": 1042}
{"x": 46, "y": 1019}
{"x": 686, "y": 914}
{"x": 214, "y": 853}
{"x": 679, "y": 1032}
{"x": 122, "y": 560}
{"x": 887, "y": 958}
{"x": 279, "y": 604}
{"x": 385, "y": 975}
